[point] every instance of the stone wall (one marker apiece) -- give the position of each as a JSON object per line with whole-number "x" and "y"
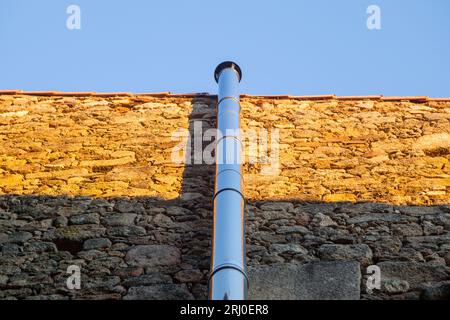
{"x": 329, "y": 150}
{"x": 89, "y": 181}
{"x": 352, "y": 150}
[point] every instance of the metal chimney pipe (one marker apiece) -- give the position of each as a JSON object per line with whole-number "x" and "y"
{"x": 228, "y": 278}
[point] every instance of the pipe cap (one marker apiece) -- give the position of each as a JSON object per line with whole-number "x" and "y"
{"x": 226, "y": 65}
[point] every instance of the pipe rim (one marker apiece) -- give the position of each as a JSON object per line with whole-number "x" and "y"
{"x": 225, "y": 65}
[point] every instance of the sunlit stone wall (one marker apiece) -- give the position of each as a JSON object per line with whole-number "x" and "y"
{"x": 90, "y": 181}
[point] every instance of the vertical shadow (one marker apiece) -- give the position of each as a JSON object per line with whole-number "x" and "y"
{"x": 197, "y": 192}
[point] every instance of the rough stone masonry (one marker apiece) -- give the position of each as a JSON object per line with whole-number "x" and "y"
{"x": 88, "y": 180}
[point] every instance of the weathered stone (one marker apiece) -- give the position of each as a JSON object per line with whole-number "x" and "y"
{"x": 40, "y": 247}
{"x": 292, "y": 229}
{"x": 126, "y": 231}
{"x": 89, "y": 218}
{"x": 273, "y": 215}
{"x": 441, "y": 291}
{"x": 61, "y": 221}
{"x": 429, "y": 240}
{"x": 153, "y": 255}
{"x": 416, "y": 274}
{"x": 431, "y": 229}
{"x": 302, "y": 218}
{"x": 11, "y": 181}
{"x": 69, "y": 211}
{"x": 107, "y": 163}
{"x": 408, "y": 230}
{"x": 11, "y": 248}
{"x": 162, "y": 220}
{"x": 50, "y": 297}
{"x": 76, "y": 232}
{"x": 20, "y": 237}
{"x": 59, "y": 174}
{"x": 24, "y": 280}
{"x": 418, "y": 210}
{"x": 9, "y": 269}
{"x": 98, "y": 243}
{"x": 105, "y": 263}
{"x": 41, "y": 225}
{"x": 343, "y": 197}
{"x": 14, "y": 294}
{"x": 4, "y": 238}
{"x": 323, "y": 280}
{"x": 127, "y": 206}
{"x": 358, "y": 252}
{"x": 165, "y": 179}
{"x": 106, "y": 283}
{"x": 384, "y": 246}
{"x": 435, "y": 259}
{"x": 121, "y": 219}
{"x": 3, "y": 279}
{"x": 277, "y": 206}
{"x": 322, "y": 220}
{"x": 381, "y": 217}
{"x": 189, "y": 196}
{"x": 90, "y": 255}
{"x": 409, "y": 254}
{"x": 447, "y": 259}
{"x": 128, "y": 272}
{"x": 159, "y": 292}
{"x": 189, "y": 275}
{"x": 432, "y": 141}
{"x": 147, "y": 279}
{"x": 395, "y": 286}
{"x": 177, "y": 211}
{"x": 14, "y": 114}
{"x": 291, "y": 248}
{"x": 40, "y": 265}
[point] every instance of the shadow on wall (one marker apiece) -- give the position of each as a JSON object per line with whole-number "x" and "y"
{"x": 151, "y": 248}
{"x": 146, "y": 248}
{"x": 119, "y": 242}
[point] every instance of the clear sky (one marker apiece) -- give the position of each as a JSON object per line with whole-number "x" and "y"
{"x": 284, "y": 47}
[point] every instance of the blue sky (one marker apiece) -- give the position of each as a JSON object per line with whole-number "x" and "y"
{"x": 284, "y": 47}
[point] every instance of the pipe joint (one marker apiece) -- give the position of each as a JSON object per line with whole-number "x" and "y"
{"x": 228, "y": 98}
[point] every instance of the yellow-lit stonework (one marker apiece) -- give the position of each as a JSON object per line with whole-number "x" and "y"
{"x": 329, "y": 149}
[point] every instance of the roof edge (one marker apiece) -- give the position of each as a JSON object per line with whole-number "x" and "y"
{"x": 205, "y": 94}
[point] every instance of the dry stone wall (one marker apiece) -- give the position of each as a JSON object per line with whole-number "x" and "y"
{"x": 354, "y": 150}
{"x": 89, "y": 181}
{"x": 329, "y": 150}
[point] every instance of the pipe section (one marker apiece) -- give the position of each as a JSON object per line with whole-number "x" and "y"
{"x": 228, "y": 278}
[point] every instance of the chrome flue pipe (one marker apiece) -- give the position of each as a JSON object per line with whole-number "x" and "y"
{"x": 228, "y": 278}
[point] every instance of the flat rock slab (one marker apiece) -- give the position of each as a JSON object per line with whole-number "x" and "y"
{"x": 313, "y": 281}
{"x": 159, "y": 292}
